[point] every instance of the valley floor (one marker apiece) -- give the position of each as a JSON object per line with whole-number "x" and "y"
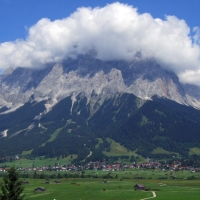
{"x": 97, "y": 189}
{"x": 109, "y": 185}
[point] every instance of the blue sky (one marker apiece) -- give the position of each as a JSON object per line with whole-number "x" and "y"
{"x": 15, "y": 15}
{"x": 34, "y": 33}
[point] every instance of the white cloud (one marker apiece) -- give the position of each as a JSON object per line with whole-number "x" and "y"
{"x": 117, "y": 31}
{"x": 196, "y": 37}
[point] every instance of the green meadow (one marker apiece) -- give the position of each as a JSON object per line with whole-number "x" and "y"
{"x": 39, "y": 161}
{"x": 112, "y": 189}
{"x": 117, "y": 185}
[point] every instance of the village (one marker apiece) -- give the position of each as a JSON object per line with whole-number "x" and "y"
{"x": 98, "y": 165}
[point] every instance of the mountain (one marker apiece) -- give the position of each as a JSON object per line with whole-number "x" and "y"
{"x": 65, "y": 108}
{"x": 87, "y": 75}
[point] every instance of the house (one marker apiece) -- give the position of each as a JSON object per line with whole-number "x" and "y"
{"x": 39, "y": 189}
{"x": 197, "y": 169}
{"x": 139, "y": 187}
{"x": 25, "y": 182}
{"x": 47, "y": 181}
{"x": 57, "y": 182}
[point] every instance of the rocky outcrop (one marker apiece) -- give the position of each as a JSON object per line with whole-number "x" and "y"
{"x": 96, "y": 80}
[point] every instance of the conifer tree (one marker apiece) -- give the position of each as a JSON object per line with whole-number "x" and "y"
{"x": 11, "y": 187}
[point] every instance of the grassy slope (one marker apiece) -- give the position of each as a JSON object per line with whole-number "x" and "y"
{"x": 53, "y": 136}
{"x": 118, "y": 150}
{"x": 160, "y": 150}
{"x": 194, "y": 150}
{"x": 26, "y": 152}
{"x": 100, "y": 141}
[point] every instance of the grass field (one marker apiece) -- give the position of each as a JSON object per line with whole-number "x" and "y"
{"x": 39, "y": 161}
{"x": 120, "y": 188}
{"x": 89, "y": 189}
{"x": 160, "y": 150}
{"x": 117, "y": 150}
{"x": 53, "y": 136}
{"x": 194, "y": 150}
{"x": 147, "y": 174}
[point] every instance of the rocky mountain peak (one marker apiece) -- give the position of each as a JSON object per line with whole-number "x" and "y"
{"x": 88, "y": 76}
{"x": 8, "y": 71}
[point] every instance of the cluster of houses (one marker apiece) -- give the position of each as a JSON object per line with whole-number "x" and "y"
{"x": 118, "y": 166}
{"x": 176, "y": 166}
{"x": 89, "y": 166}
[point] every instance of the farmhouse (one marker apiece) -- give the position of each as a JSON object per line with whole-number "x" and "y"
{"x": 139, "y": 187}
{"x": 25, "y": 182}
{"x": 57, "y": 182}
{"x": 39, "y": 189}
{"x": 47, "y": 181}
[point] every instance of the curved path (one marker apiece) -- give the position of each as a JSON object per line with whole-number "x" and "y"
{"x": 89, "y": 154}
{"x": 154, "y": 196}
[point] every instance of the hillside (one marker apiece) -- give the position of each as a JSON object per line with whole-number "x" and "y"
{"x": 139, "y": 125}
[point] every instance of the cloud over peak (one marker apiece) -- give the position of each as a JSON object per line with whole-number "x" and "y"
{"x": 116, "y": 31}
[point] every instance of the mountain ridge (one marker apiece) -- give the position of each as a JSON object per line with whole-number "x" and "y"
{"x": 137, "y": 124}
{"x": 143, "y": 78}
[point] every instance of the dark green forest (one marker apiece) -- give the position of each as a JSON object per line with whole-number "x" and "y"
{"x": 134, "y": 123}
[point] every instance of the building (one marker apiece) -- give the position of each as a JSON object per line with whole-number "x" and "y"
{"x": 25, "y": 182}
{"x": 139, "y": 187}
{"x": 39, "y": 189}
{"x": 57, "y": 182}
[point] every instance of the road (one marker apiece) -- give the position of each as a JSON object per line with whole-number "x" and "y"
{"x": 89, "y": 154}
{"x": 154, "y": 196}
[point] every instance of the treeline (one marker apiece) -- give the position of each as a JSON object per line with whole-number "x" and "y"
{"x": 80, "y": 174}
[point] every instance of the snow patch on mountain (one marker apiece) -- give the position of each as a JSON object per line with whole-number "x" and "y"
{"x": 26, "y": 129}
{"x": 4, "y": 133}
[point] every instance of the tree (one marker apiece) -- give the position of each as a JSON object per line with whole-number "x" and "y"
{"x": 11, "y": 187}
{"x": 35, "y": 175}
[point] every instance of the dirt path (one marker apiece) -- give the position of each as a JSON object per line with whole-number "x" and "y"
{"x": 154, "y": 196}
{"x": 89, "y": 154}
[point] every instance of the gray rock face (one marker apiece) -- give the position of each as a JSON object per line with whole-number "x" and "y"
{"x": 94, "y": 79}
